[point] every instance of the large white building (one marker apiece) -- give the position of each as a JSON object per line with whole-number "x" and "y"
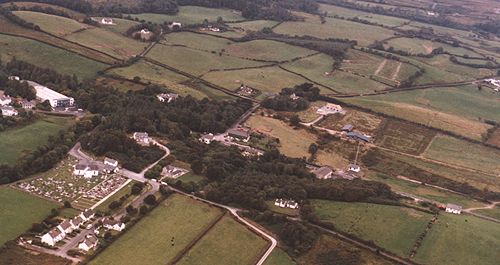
{"x": 56, "y": 99}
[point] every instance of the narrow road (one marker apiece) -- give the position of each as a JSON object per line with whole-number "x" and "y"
{"x": 307, "y": 124}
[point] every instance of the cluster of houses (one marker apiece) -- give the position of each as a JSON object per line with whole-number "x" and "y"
{"x": 246, "y": 91}
{"x": 240, "y": 134}
{"x": 66, "y": 227}
{"x": 6, "y": 108}
{"x": 282, "y": 203}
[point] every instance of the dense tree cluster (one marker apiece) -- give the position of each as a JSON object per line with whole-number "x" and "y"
{"x": 77, "y": 5}
{"x": 17, "y": 20}
{"x": 293, "y": 99}
{"x": 16, "y": 88}
{"x": 41, "y": 9}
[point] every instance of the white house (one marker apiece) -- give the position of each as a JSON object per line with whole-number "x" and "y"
{"x": 113, "y": 224}
{"x": 175, "y": 26}
{"x": 141, "y": 138}
{"x": 453, "y": 208}
{"x": 89, "y": 243}
{"x": 52, "y": 237}
{"x": 110, "y": 165}
{"x": 286, "y": 203}
{"x": 5, "y": 100}
{"x": 107, "y": 21}
{"x": 8, "y": 111}
{"x": 66, "y": 227}
{"x": 323, "y": 172}
{"x": 329, "y": 108}
{"x": 167, "y": 97}
{"x": 207, "y": 138}
{"x": 87, "y": 215}
{"x": 13, "y": 77}
{"x": 87, "y": 171}
{"x": 354, "y": 168}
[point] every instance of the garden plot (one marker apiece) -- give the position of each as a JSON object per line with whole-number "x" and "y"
{"x": 405, "y": 137}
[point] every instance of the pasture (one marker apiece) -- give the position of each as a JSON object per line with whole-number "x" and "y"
{"x": 254, "y": 25}
{"x": 361, "y": 62}
{"x": 43, "y": 55}
{"x": 189, "y": 15}
{"x": 59, "y": 26}
{"x": 494, "y": 212}
{"x": 420, "y": 46}
{"x": 120, "y": 25}
{"x": 362, "y": 121}
{"x": 443, "y": 61}
{"x": 18, "y": 211}
{"x": 267, "y": 50}
{"x": 336, "y": 28}
{"x": 73, "y": 14}
{"x": 179, "y": 218}
{"x": 404, "y": 137}
{"x": 462, "y": 153}
{"x": 352, "y": 13}
{"x": 279, "y": 257}
{"x": 19, "y": 141}
{"x": 391, "y": 227}
{"x": 460, "y": 240}
{"x": 227, "y": 243}
{"x": 196, "y": 41}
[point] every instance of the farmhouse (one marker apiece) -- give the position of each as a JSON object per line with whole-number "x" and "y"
{"x": 89, "y": 243}
{"x": 240, "y": 133}
{"x": 52, "y": 237}
{"x": 453, "y": 208}
{"x": 141, "y": 138}
{"x": 323, "y": 172}
{"x": 8, "y": 111}
{"x": 5, "y": 100}
{"x": 113, "y": 224}
{"x": 286, "y": 203}
{"x": 27, "y": 105}
{"x": 110, "y": 165}
{"x": 245, "y": 90}
{"x": 87, "y": 171}
{"x": 87, "y": 215}
{"x": 358, "y": 136}
{"x": 353, "y": 168}
{"x": 294, "y": 97}
{"x": 167, "y": 97}
{"x": 329, "y": 108}
{"x": 55, "y": 99}
{"x": 107, "y": 21}
{"x": 347, "y": 128}
{"x": 207, "y": 138}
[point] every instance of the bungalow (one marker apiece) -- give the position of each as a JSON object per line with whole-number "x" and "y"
{"x": 141, "y": 138}
{"x": 168, "y": 97}
{"x": 347, "y": 128}
{"x": 89, "y": 243}
{"x": 329, "y": 108}
{"x": 87, "y": 215}
{"x": 5, "y": 100}
{"x": 353, "y": 168}
{"x": 87, "y": 171}
{"x": 207, "y": 138}
{"x": 52, "y": 237}
{"x": 113, "y": 224}
{"x": 358, "y": 136}
{"x": 8, "y": 111}
{"x": 107, "y": 21}
{"x": 240, "y": 133}
{"x": 453, "y": 208}
{"x": 110, "y": 165}
{"x": 323, "y": 173}
{"x": 66, "y": 227}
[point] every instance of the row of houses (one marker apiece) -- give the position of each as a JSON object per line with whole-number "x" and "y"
{"x": 66, "y": 227}
{"x": 7, "y": 110}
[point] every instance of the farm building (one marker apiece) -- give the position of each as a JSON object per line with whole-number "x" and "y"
{"x": 113, "y": 224}
{"x": 329, "y": 108}
{"x": 145, "y": 34}
{"x": 52, "y": 237}
{"x": 107, "y": 21}
{"x": 347, "y": 128}
{"x": 87, "y": 171}
{"x": 453, "y": 208}
{"x": 323, "y": 172}
{"x": 141, "y": 138}
{"x": 286, "y": 203}
{"x": 5, "y": 100}
{"x": 358, "y": 136}
{"x": 294, "y": 97}
{"x": 167, "y": 97}
{"x": 89, "y": 243}
{"x": 248, "y": 151}
{"x": 240, "y": 133}
{"x": 175, "y": 26}
{"x": 13, "y": 77}
{"x": 55, "y": 99}
{"x": 8, "y": 111}
{"x": 207, "y": 138}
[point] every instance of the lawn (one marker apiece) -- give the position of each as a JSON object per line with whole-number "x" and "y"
{"x": 391, "y": 227}
{"x": 461, "y": 240}
{"x": 279, "y": 257}
{"x": 227, "y": 243}
{"x": 192, "y": 15}
{"x": 59, "y": 26}
{"x": 43, "y": 55}
{"x": 462, "y": 153}
{"x": 336, "y": 28}
{"x": 404, "y": 137}
{"x": 18, "y": 211}
{"x": 267, "y": 50}
{"x": 19, "y": 141}
{"x": 179, "y": 218}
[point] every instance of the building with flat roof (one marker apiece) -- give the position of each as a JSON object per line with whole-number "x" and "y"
{"x": 55, "y": 99}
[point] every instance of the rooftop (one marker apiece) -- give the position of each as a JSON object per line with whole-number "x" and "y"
{"x": 45, "y": 93}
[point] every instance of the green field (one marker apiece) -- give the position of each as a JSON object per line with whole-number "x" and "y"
{"x": 254, "y": 25}
{"x": 196, "y": 41}
{"x": 18, "y": 141}
{"x": 404, "y": 137}
{"x": 420, "y": 46}
{"x": 267, "y": 50}
{"x": 351, "y": 13}
{"x": 391, "y": 227}
{"x": 336, "y": 28}
{"x": 443, "y": 61}
{"x": 227, "y": 243}
{"x": 279, "y": 257}
{"x": 462, "y": 153}
{"x": 43, "y": 55}
{"x": 120, "y": 25}
{"x": 56, "y": 25}
{"x": 494, "y": 212}
{"x": 361, "y": 62}
{"x": 18, "y": 211}
{"x": 192, "y": 15}
{"x": 461, "y": 240}
{"x": 149, "y": 241}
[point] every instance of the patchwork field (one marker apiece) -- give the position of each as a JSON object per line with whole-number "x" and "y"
{"x": 59, "y": 26}
{"x": 19, "y": 211}
{"x": 73, "y": 14}
{"x": 362, "y": 121}
{"x": 228, "y": 242}
{"x": 267, "y": 50}
{"x": 391, "y": 227}
{"x": 18, "y": 141}
{"x": 443, "y": 61}
{"x": 462, "y": 153}
{"x": 43, "y": 55}
{"x": 460, "y": 240}
{"x": 192, "y": 15}
{"x": 420, "y": 46}
{"x": 196, "y": 41}
{"x": 404, "y": 137}
{"x": 351, "y": 13}
{"x": 361, "y": 62}
{"x": 254, "y": 25}
{"x": 178, "y": 218}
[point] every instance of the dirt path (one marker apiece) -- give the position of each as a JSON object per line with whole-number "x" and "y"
{"x": 396, "y": 72}
{"x": 380, "y": 67}
{"x": 490, "y": 206}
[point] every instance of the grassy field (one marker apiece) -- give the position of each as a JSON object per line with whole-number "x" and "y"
{"x": 443, "y": 61}
{"x": 336, "y": 28}
{"x": 178, "y": 218}
{"x": 461, "y": 240}
{"x": 18, "y": 211}
{"x": 192, "y": 15}
{"x": 351, "y": 13}
{"x": 227, "y": 243}
{"x": 494, "y": 139}
{"x": 18, "y": 141}
{"x": 43, "y": 55}
{"x": 196, "y": 41}
{"x": 391, "y": 227}
{"x": 14, "y": 254}
{"x": 494, "y": 212}
{"x": 120, "y": 25}
{"x": 181, "y": 58}
{"x": 404, "y": 137}
{"x": 115, "y": 197}
{"x": 420, "y": 46}
{"x": 59, "y": 26}
{"x": 362, "y": 121}
{"x": 462, "y": 153}
{"x": 73, "y": 14}
{"x": 361, "y": 62}
{"x": 319, "y": 69}
{"x": 267, "y": 50}
{"x": 279, "y": 257}
{"x": 254, "y": 25}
